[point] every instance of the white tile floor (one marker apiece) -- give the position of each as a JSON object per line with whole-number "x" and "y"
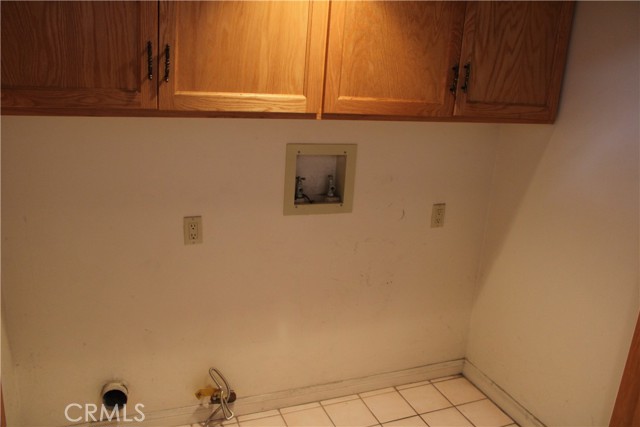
{"x": 444, "y": 402}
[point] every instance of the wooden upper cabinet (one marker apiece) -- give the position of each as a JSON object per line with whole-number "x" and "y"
{"x": 78, "y": 55}
{"x": 393, "y": 58}
{"x": 449, "y": 60}
{"x": 514, "y": 56}
{"x": 397, "y": 59}
{"x": 247, "y": 56}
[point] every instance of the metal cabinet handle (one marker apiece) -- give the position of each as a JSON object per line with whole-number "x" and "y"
{"x": 167, "y": 62}
{"x": 454, "y": 83}
{"x": 467, "y": 73}
{"x": 150, "y": 60}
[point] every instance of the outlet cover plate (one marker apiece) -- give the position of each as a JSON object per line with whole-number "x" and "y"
{"x": 192, "y": 226}
{"x": 437, "y": 215}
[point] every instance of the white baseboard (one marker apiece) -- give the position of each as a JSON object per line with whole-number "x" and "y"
{"x": 508, "y": 404}
{"x": 299, "y": 396}
{"x": 282, "y": 399}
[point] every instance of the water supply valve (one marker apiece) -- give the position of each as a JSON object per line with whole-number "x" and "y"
{"x": 221, "y": 395}
{"x": 300, "y": 197}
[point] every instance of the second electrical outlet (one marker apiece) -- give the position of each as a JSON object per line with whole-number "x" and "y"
{"x": 192, "y": 230}
{"x": 437, "y": 215}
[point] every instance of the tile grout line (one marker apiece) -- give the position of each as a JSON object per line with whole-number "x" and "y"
{"x": 409, "y": 403}
{"x": 357, "y": 398}
{"x": 445, "y": 397}
{"x": 284, "y": 420}
{"x": 369, "y": 409}
{"x": 490, "y": 400}
{"x": 327, "y": 414}
{"x": 452, "y": 404}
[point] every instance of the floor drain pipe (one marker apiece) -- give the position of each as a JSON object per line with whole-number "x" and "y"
{"x": 115, "y": 394}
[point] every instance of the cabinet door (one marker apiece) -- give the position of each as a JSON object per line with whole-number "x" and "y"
{"x": 513, "y": 58}
{"x": 392, "y": 58}
{"x": 255, "y": 56}
{"x": 72, "y": 55}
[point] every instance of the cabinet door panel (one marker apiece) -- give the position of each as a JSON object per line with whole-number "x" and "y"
{"x": 392, "y": 58}
{"x": 244, "y": 55}
{"x": 516, "y": 52}
{"x": 77, "y": 54}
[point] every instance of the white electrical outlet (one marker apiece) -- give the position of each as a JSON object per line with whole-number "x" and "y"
{"x": 437, "y": 215}
{"x": 192, "y": 230}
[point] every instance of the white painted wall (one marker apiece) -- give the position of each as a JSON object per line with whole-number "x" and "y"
{"x": 557, "y": 298}
{"x": 98, "y": 284}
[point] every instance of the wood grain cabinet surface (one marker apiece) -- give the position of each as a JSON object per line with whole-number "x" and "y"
{"x": 77, "y": 55}
{"x": 514, "y": 54}
{"x": 393, "y": 58}
{"x": 420, "y": 60}
{"x": 493, "y": 61}
{"x": 253, "y": 56}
